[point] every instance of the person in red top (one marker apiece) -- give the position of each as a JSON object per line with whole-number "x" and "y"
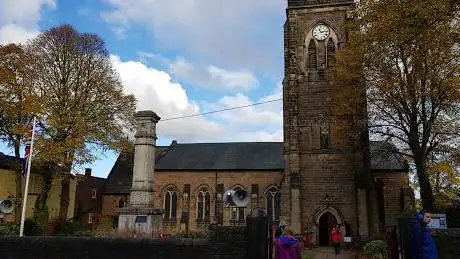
{"x": 336, "y": 237}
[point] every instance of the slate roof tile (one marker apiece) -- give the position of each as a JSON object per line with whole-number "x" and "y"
{"x": 231, "y": 157}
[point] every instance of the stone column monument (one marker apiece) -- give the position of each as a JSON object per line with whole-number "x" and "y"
{"x": 140, "y": 214}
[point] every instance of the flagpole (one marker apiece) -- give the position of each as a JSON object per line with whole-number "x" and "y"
{"x": 26, "y": 191}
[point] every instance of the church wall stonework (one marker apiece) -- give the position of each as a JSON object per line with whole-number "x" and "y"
{"x": 392, "y": 184}
{"x": 326, "y": 175}
{"x": 198, "y": 180}
{"x": 327, "y": 180}
{"x": 166, "y": 180}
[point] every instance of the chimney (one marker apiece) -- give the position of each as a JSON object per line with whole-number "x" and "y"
{"x": 87, "y": 171}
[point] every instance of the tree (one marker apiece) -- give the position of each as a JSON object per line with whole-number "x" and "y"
{"x": 84, "y": 106}
{"x": 444, "y": 177}
{"x": 404, "y": 55}
{"x": 19, "y": 101}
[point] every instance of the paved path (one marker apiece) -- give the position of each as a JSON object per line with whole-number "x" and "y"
{"x": 328, "y": 253}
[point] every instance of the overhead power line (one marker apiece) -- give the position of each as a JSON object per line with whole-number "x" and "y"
{"x": 222, "y": 110}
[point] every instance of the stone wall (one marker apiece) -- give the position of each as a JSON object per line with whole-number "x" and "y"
{"x": 96, "y": 248}
{"x": 327, "y": 182}
{"x": 392, "y": 184}
{"x": 188, "y": 184}
{"x": 111, "y": 202}
{"x": 447, "y": 242}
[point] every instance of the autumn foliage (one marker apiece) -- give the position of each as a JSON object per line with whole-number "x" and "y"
{"x": 403, "y": 55}
{"x": 66, "y": 79}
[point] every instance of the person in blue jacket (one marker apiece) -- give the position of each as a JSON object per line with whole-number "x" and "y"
{"x": 422, "y": 245}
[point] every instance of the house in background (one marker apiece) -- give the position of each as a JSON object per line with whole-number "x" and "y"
{"x": 9, "y": 170}
{"x": 88, "y": 202}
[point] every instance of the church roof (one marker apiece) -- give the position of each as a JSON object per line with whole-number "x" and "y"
{"x": 224, "y": 156}
{"x": 243, "y": 156}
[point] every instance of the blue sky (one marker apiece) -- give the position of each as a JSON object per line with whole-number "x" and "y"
{"x": 179, "y": 58}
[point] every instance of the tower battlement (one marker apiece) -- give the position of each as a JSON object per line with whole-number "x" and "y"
{"x": 312, "y": 3}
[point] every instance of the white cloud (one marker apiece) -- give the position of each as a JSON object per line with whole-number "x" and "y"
{"x": 12, "y": 33}
{"x": 212, "y": 77}
{"x": 19, "y": 18}
{"x": 230, "y": 34}
{"x": 261, "y": 136}
{"x": 268, "y": 114}
{"x": 155, "y": 91}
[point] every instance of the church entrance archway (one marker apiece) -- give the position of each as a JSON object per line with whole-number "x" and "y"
{"x": 326, "y": 222}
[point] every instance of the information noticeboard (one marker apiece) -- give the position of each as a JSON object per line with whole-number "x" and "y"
{"x": 438, "y": 221}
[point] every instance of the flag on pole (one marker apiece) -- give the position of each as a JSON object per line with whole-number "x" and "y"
{"x": 28, "y": 162}
{"x": 28, "y": 142}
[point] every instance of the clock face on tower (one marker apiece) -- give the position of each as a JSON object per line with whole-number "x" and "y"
{"x": 321, "y": 32}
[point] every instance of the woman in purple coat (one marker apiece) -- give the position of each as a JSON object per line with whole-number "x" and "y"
{"x": 287, "y": 246}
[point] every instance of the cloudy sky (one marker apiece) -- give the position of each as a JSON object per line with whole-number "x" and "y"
{"x": 179, "y": 58}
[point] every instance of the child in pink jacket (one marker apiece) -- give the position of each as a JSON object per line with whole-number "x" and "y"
{"x": 287, "y": 246}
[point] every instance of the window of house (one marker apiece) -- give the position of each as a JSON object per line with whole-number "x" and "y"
{"x": 93, "y": 193}
{"x": 203, "y": 205}
{"x": 170, "y": 204}
{"x": 273, "y": 204}
{"x": 90, "y": 218}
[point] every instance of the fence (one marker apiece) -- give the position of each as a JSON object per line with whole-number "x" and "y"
{"x": 223, "y": 243}
{"x": 89, "y": 248}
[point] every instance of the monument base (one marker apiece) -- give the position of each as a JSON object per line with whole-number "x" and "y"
{"x": 143, "y": 220}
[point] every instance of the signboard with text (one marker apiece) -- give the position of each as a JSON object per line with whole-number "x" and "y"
{"x": 438, "y": 221}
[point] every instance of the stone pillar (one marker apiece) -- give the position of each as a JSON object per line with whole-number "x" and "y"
{"x": 140, "y": 214}
{"x": 142, "y": 193}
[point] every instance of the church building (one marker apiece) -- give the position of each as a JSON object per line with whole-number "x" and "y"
{"x": 316, "y": 178}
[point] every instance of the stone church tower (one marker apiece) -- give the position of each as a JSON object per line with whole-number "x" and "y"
{"x": 326, "y": 176}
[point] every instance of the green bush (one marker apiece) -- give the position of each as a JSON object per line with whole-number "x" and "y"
{"x": 41, "y": 220}
{"x": 9, "y": 229}
{"x": 31, "y": 228}
{"x": 376, "y": 248}
{"x": 104, "y": 227}
{"x": 68, "y": 228}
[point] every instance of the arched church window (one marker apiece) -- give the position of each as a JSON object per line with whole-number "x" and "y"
{"x": 312, "y": 56}
{"x": 330, "y": 53}
{"x": 273, "y": 204}
{"x": 203, "y": 205}
{"x": 170, "y": 204}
